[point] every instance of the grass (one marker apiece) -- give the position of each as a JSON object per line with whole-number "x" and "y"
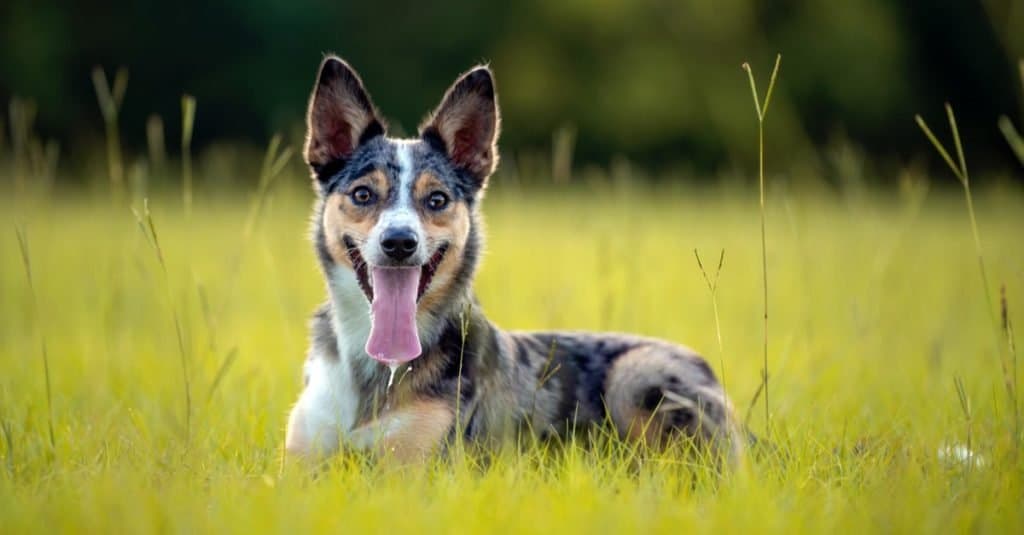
{"x": 188, "y": 120}
{"x": 37, "y": 319}
{"x": 869, "y": 310}
{"x": 110, "y": 99}
{"x": 148, "y": 229}
{"x": 762, "y": 111}
{"x": 1009, "y": 131}
{"x": 712, "y": 284}
{"x": 875, "y": 317}
{"x": 960, "y": 171}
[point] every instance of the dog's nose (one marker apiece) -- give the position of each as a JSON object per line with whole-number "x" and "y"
{"x": 399, "y": 243}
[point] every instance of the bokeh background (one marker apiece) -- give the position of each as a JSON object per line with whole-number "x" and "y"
{"x": 655, "y": 83}
{"x": 155, "y": 294}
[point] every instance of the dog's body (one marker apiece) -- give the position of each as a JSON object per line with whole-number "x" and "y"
{"x": 397, "y": 232}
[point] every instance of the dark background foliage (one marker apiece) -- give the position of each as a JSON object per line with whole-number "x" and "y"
{"x": 656, "y": 81}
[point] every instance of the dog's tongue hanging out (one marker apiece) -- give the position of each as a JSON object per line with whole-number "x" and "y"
{"x": 393, "y": 333}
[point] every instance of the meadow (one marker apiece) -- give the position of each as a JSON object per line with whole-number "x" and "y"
{"x": 171, "y": 370}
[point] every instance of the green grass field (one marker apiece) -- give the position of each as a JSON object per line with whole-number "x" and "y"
{"x": 876, "y": 307}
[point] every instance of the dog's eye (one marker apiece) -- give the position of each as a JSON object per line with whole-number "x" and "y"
{"x": 437, "y": 201}
{"x": 362, "y": 196}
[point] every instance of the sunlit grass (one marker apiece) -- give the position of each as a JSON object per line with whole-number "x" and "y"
{"x": 188, "y": 121}
{"x": 110, "y": 98}
{"x": 875, "y": 309}
{"x": 960, "y": 170}
{"x": 762, "y": 112}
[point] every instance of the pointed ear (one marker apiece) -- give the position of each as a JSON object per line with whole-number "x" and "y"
{"x": 466, "y": 124}
{"x": 341, "y": 116}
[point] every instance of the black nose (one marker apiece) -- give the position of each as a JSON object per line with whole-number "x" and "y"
{"x": 399, "y": 243}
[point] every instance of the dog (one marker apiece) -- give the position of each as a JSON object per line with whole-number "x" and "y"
{"x": 402, "y": 359}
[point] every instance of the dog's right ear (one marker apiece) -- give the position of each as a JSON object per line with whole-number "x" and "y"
{"x": 341, "y": 118}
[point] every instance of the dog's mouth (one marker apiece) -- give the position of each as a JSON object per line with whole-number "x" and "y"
{"x": 362, "y": 269}
{"x": 394, "y": 292}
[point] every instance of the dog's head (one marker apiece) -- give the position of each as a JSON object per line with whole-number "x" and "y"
{"x": 400, "y": 213}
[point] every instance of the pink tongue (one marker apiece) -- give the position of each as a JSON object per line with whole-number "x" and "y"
{"x": 393, "y": 333}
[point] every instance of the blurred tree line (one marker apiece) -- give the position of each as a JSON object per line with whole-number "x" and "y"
{"x": 656, "y": 81}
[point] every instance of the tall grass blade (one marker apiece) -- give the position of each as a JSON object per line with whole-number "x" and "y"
{"x": 965, "y": 408}
{"x": 771, "y": 86}
{"x": 956, "y": 140}
{"x": 753, "y": 91}
{"x": 27, "y": 263}
{"x": 188, "y": 118}
{"x": 939, "y": 147}
{"x": 712, "y": 285}
{"x": 110, "y": 99}
{"x": 148, "y": 227}
{"x": 222, "y": 371}
{"x": 139, "y": 179}
{"x": 22, "y": 117}
{"x": 45, "y": 159}
{"x": 1011, "y": 346}
{"x": 563, "y": 144}
{"x": 761, "y": 111}
{"x": 9, "y": 439}
{"x": 3, "y": 137}
{"x": 753, "y": 402}
{"x": 1006, "y": 126}
{"x": 464, "y": 322}
{"x": 1012, "y": 137}
{"x": 965, "y": 180}
{"x": 156, "y": 144}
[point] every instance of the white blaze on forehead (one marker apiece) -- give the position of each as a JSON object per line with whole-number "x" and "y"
{"x": 402, "y": 212}
{"x": 405, "y": 177}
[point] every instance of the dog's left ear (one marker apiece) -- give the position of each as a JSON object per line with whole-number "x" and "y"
{"x": 466, "y": 124}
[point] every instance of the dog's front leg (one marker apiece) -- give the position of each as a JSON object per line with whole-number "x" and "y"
{"x": 326, "y": 410}
{"x": 314, "y": 427}
{"x": 408, "y": 433}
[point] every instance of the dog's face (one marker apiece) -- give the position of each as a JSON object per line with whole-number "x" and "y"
{"x": 400, "y": 213}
